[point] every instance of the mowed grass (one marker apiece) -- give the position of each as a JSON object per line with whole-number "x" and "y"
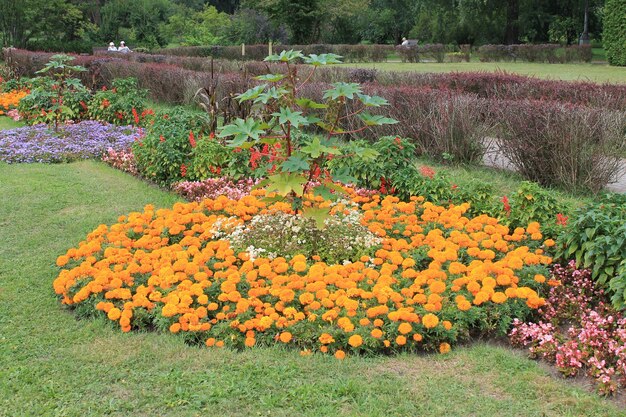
{"x": 8, "y": 123}
{"x": 56, "y": 365}
{"x": 599, "y": 73}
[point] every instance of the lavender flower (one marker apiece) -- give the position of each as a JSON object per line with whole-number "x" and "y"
{"x": 84, "y": 140}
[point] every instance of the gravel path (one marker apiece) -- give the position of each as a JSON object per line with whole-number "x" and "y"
{"x": 494, "y": 158}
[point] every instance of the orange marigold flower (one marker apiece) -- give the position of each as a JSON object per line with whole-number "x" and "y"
{"x": 285, "y": 337}
{"x": 430, "y": 321}
{"x": 444, "y": 348}
{"x": 498, "y": 297}
{"x": 340, "y": 354}
{"x": 405, "y": 328}
{"x": 540, "y": 278}
{"x": 62, "y": 260}
{"x": 377, "y": 333}
{"x": 355, "y": 340}
{"x": 114, "y": 313}
{"x": 400, "y": 340}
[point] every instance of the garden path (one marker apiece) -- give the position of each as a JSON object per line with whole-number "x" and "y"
{"x": 494, "y": 158}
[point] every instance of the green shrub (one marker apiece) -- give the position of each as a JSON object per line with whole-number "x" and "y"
{"x": 532, "y": 203}
{"x": 596, "y": 238}
{"x": 614, "y": 35}
{"x": 212, "y": 158}
{"x": 393, "y": 154}
{"x": 40, "y": 106}
{"x": 164, "y": 154}
{"x": 116, "y": 104}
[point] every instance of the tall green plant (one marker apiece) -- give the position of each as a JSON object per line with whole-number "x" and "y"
{"x": 60, "y": 69}
{"x": 596, "y": 239}
{"x": 297, "y": 167}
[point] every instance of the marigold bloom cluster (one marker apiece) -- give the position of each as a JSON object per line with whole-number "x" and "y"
{"x": 11, "y": 99}
{"x": 434, "y": 275}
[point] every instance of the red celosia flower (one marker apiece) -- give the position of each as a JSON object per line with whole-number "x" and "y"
{"x": 135, "y": 116}
{"x": 183, "y": 170}
{"x": 212, "y": 135}
{"x": 192, "y": 140}
{"x": 507, "y": 206}
{"x": 383, "y": 187}
{"x": 427, "y": 171}
{"x": 254, "y": 157}
{"x": 106, "y": 103}
{"x": 561, "y": 220}
{"x": 399, "y": 142}
{"x": 161, "y": 138}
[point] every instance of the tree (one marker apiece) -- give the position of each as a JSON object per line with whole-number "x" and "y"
{"x": 614, "y": 40}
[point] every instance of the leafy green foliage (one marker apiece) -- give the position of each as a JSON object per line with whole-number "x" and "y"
{"x": 116, "y": 104}
{"x": 595, "y": 237}
{"x": 164, "y": 154}
{"x": 534, "y": 203}
{"x": 53, "y": 94}
{"x": 42, "y": 104}
{"x": 212, "y": 158}
{"x": 297, "y": 165}
{"x": 614, "y": 36}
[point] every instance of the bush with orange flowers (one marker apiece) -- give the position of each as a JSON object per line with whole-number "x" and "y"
{"x": 434, "y": 277}
{"x": 11, "y": 99}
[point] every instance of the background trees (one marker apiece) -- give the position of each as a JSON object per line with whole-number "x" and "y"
{"x": 53, "y": 24}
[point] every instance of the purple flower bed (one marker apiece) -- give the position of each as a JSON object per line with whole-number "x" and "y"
{"x": 84, "y": 140}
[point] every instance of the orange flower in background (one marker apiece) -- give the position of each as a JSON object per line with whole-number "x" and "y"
{"x": 444, "y": 348}
{"x": 340, "y": 354}
{"x": 171, "y": 265}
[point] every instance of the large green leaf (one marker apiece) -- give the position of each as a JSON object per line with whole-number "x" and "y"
{"x": 270, "y": 77}
{"x": 295, "y": 164}
{"x": 316, "y": 147}
{"x": 306, "y": 103}
{"x": 251, "y": 94}
{"x": 242, "y": 130}
{"x": 341, "y": 89}
{"x": 372, "y": 101}
{"x": 272, "y": 93}
{"x": 376, "y": 119}
{"x": 323, "y": 59}
{"x": 318, "y": 214}
{"x": 295, "y": 118}
{"x": 285, "y": 56}
{"x": 285, "y": 183}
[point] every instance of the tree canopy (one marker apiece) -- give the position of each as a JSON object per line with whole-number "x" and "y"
{"x": 46, "y": 24}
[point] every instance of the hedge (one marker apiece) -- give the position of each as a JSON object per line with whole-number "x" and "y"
{"x": 614, "y": 35}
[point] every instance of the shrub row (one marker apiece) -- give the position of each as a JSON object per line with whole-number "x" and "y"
{"x": 351, "y": 53}
{"x": 486, "y": 85}
{"x": 550, "y": 53}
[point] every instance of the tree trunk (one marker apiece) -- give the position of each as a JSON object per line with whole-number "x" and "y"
{"x": 512, "y": 22}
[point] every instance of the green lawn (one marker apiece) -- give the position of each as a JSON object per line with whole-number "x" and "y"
{"x": 56, "y": 365}
{"x": 8, "y": 123}
{"x": 585, "y": 72}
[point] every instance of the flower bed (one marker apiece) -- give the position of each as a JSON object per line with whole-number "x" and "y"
{"x": 578, "y": 331}
{"x": 429, "y": 277}
{"x": 10, "y": 100}
{"x": 71, "y": 142}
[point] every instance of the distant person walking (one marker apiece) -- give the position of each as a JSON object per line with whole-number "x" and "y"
{"x": 123, "y": 48}
{"x": 112, "y": 47}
